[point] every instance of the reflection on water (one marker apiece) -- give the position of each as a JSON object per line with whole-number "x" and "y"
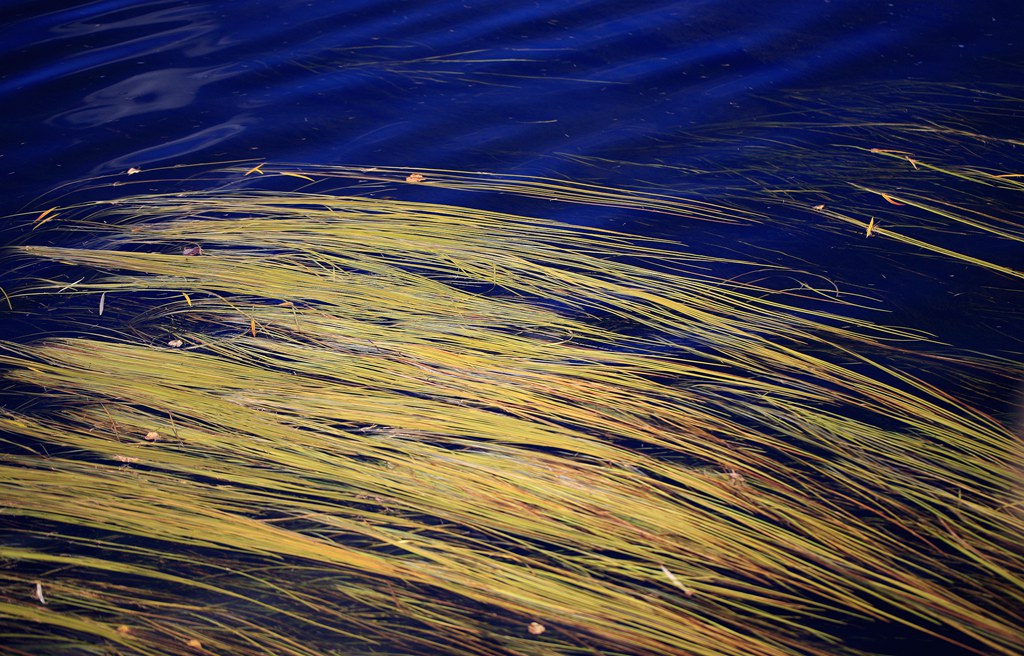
{"x": 147, "y": 92}
{"x": 198, "y": 142}
{"x": 71, "y": 42}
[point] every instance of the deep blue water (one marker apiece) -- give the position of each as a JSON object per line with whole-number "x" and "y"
{"x": 657, "y": 95}
{"x": 665, "y": 95}
{"x": 98, "y": 87}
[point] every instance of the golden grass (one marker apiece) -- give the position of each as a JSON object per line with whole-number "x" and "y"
{"x": 394, "y": 426}
{"x": 899, "y": 162}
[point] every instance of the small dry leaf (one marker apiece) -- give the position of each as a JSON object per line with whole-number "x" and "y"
{"x": 679, "y": 584}
{"x": 152, "y": 436}
{"x": 133, "y": 171}
{"x": 536, "y": 628}
{"x": 124, "y": 629}
{"x": 175, "y": 343}
{"x": 120, "y": 458}
{"x": 45, "y": 214}
{"x": 194, "y": 644}
{"x": 44, "y": 217}
{"x": 415, "y": 177}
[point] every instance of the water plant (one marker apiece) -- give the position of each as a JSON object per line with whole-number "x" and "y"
{"x": 292, "y": 415}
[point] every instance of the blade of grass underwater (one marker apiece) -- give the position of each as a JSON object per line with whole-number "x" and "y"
{"x": 450, "y": 423}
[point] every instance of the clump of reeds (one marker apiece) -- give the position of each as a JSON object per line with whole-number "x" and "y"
{"x": 309, "y": 422}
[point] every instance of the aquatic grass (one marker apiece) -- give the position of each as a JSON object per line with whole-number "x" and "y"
{"x": 399, "y": 426}
{"x": 912, "y": 167}
{"x": 480, "y": 67}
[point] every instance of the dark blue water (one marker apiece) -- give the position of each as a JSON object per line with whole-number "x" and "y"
{"x": 99, "y": 87}
{"x": 726, "y": 100}
{"x": 750, "y": 103}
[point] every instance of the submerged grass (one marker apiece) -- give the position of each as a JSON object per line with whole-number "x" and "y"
{"x": 312, "y": 422}
{"x": 919, "y": 167}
